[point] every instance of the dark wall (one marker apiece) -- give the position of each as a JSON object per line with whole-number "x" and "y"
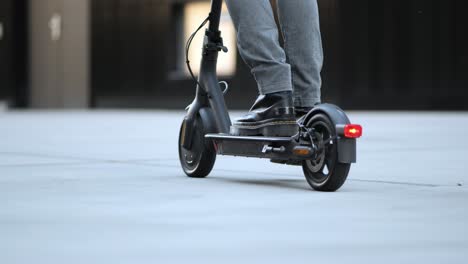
{"x": 5, "y": 52}
{"x": 134, "y": 45}
{"x": 128, "y": 53}
{"x": 396, "y": 54}
{"x": 13, "y": 52}
{"x": 380, "y": 54}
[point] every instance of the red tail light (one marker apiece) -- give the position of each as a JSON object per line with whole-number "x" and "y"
{"x": 352, "y": 131}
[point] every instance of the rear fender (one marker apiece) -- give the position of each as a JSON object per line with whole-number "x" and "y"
{"x": 346, "y": 146}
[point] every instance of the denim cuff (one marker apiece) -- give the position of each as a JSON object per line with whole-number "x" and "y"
{"x": 306, "y": 102}
{"x": 275, "y": 87}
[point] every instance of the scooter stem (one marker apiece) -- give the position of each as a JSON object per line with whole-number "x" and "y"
{"x": 213, "y": 43}
{"x": 215, "y": 15}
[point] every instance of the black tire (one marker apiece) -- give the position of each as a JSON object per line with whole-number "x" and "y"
{"x": 325, "y": 173}
{"x": 200, "y": 159}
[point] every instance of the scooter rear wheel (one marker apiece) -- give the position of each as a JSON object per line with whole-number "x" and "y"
{"x": 324, "y": 172}
{"x": 198, "y": 161}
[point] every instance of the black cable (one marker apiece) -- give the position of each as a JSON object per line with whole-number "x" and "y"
{"x": 187, "y": 48}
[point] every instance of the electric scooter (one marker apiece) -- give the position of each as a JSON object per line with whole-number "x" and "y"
{"x": 324, "y": 145}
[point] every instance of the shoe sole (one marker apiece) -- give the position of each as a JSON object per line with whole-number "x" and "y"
{"x": 268, "y": 128}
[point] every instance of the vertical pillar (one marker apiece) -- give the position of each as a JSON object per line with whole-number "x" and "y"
{"x": 59, "y": 50}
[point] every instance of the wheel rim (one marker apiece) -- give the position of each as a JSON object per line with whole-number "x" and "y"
{"x": 322, "y": 166}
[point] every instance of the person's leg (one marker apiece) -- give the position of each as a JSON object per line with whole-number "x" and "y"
{"x": 257, "y": 39}
{"x": 299, "y": 20}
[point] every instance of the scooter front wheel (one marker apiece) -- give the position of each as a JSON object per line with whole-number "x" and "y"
{"x": 198, "y": 161}
{"x": 325, "y": 172}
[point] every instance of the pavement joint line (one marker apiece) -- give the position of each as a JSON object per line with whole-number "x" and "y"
{"x": 282, "y": 174}
{"x": 358, "y": 180}
{"x": 41, "y": 155}
{"x": 90, "y": 161}
{"x": 432, "y": 149}
{"x": 80, "y": 158}
{"x": 47, "y": 164}
{"x": 401, "y": 183}
{"x": 142, "y": 163}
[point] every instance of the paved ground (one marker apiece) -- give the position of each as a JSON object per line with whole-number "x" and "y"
{"x": 106, "y": 187}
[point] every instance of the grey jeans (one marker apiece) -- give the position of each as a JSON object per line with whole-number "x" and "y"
{"x": 296, "y": 67}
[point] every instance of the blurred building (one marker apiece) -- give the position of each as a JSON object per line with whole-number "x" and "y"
{"x": 380, "y": 54}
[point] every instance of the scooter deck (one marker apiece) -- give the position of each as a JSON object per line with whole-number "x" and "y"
{"x": 278, "y": 148}
{"x": 228, "y": 137}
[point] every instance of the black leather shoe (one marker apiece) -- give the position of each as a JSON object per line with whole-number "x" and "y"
{"x": 271, "y": 115}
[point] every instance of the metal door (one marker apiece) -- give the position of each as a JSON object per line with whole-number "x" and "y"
{"x": 59, "y": 53}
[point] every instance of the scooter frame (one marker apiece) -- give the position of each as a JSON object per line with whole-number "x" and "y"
{"x": 209, "y": 104}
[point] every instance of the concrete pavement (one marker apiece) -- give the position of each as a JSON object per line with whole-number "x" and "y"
{"x": 106, "y": 187}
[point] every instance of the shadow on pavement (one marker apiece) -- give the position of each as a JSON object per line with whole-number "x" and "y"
{"x": 283, "y": 183}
